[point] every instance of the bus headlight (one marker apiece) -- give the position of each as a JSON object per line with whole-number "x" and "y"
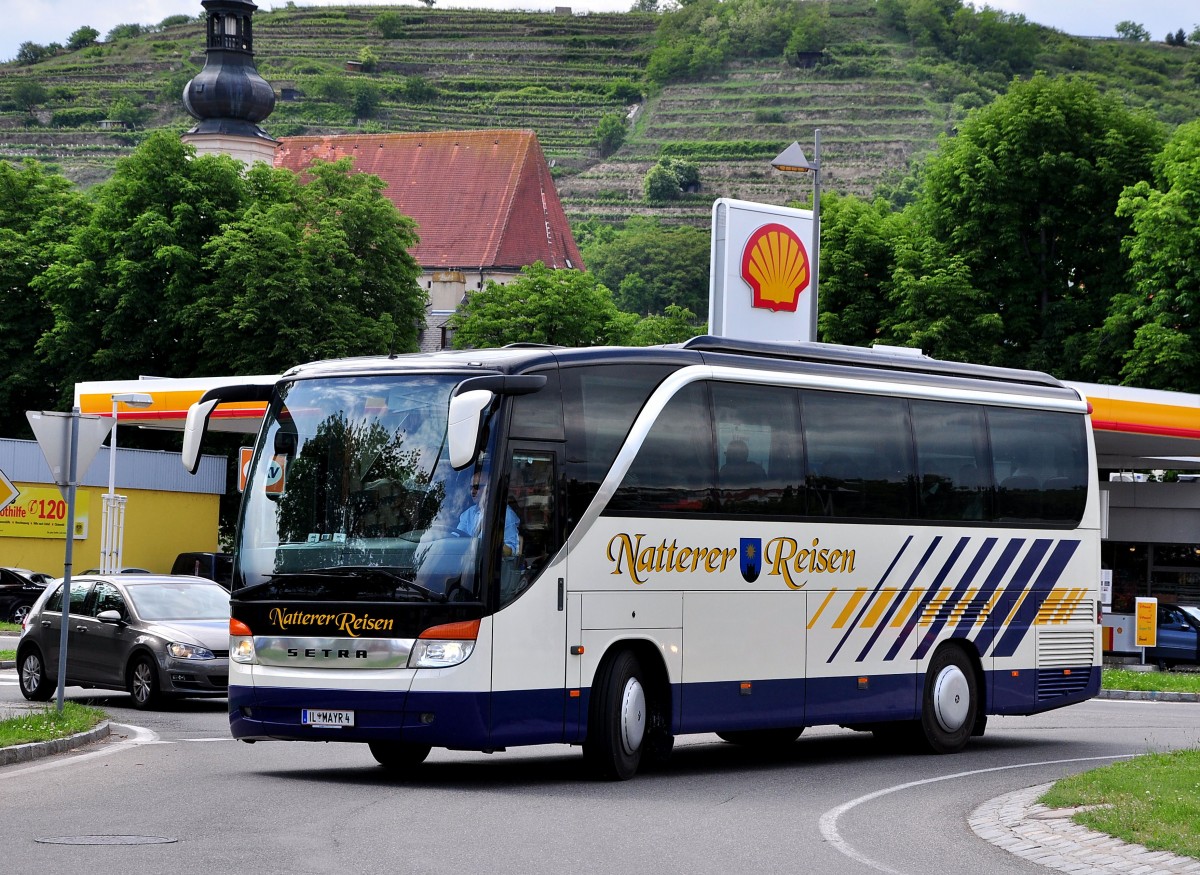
{"x": 241, "y": 643}
{"x": 439, "y": 654}
{"x": 444, "y": 646}
{"x": 242, "y": 650}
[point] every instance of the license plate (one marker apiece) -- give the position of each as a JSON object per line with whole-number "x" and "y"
{"x": 326, "y": 718}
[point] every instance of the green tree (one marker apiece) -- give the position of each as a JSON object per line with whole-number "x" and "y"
{"x": 1131, "y": 30}
{"x": 610, "y": 133}
{"x": 858, "y": 253}
{"x": 29, "y": 94}
{"x": 811, "y": 31}
{"x": 124, "y": 109}
{"x": 364, "y": 99}
{"x": 82, "y": 38}
{"x": 1154, "y": 326}
{"x": 1026, "y": 194}
{"x": 676, "y": 325}
{"x": 369, "y": 59}
{"x": 660, "y": 184}
{"x": 31, "y": 52}
{"x": 670, "y": 178}
{"x": 389, "y": 24}
{"x": 38, "y": 211}
{"x": 119, "y": 283}
{"x": 193, "y": 265}
{"x": 310, "y": 271}
{"x": 937, "y": 308}
{"x": 651, "y": 265}
{"x": 541, "y": 305}
{"x": 124, "y": 31}
{"x": 418, "y": 89}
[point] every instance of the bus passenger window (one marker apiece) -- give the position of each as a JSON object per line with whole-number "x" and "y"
{"x": 859, "y": 455}
{"x": 759, "y": 449}
{"x": 954, "y": 471}
{"x": 674, "y": 470}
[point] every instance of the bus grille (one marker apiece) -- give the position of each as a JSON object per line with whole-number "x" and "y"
{"x": 1052, "y": 683}
{"x": 1064, "y": 661}
{"x": 1066, "y": 648}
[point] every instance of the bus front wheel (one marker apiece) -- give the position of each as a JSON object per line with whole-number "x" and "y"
{"x": 617, "y": 719}
{"x": 950, "y": 703}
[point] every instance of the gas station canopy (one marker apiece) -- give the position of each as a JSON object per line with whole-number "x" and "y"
{"x": 1136, "y": 429}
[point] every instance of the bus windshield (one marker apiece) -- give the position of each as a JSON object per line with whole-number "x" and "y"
{"x": 351, "y": 496}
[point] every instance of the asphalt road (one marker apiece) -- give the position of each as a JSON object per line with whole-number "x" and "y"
{"x": 835, "y": 802}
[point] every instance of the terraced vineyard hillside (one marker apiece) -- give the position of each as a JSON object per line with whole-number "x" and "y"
{"x": 877, "y": 100}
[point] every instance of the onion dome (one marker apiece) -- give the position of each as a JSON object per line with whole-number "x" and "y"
{"x": 229, "y": 96}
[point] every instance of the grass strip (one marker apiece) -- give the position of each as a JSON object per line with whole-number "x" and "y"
{"x": 1153, "y": 800}
{"x": 1151, "y": 681}
{"x": 47, "y": 724}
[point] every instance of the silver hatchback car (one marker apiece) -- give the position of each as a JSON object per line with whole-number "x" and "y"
{"x": 152, "y": 635}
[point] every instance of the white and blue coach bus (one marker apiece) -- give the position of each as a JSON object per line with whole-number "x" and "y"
{"x": 611, "y": 547}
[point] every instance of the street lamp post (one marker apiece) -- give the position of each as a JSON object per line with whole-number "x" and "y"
{"x": 792, "y": 160}
{"x": 112, "y": 534}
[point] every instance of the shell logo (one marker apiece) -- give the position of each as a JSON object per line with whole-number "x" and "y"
{"x": 775, "y": 266}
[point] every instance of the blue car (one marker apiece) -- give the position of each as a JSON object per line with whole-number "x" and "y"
{"x": 1178, "y": 637}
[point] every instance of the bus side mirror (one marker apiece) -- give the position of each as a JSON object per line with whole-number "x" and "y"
{"x": 464, "y": 426}
{"x": 193, "y": 432}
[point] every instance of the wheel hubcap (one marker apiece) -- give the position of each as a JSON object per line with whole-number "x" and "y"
{"x": 141, "y": 682}
{"x": 951, "y": 698}
{"x": 633, "y": 716}
{"x": 31, "y": 673}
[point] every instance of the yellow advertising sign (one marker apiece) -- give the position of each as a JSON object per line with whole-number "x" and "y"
{"x": 41, "y": 512}
{"x": 1146, "y": 631}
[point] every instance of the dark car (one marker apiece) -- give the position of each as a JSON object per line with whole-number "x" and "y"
{"x": 18, "y": 592}
{"x": 150, "y": 634}
{"x": 214, "y": 566}
{"x": 1178, "y": 637}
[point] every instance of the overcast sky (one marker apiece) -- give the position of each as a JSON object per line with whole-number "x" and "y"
{"x": 53, "y": 21}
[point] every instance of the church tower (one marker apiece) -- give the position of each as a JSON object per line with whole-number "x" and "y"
{"x": 228, "y": 97}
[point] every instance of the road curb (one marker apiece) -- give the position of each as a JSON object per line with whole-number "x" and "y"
{"x": 24, "y": 753}
{"x": 1148, "y": 696}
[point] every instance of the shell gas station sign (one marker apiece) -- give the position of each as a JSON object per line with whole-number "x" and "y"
{"x": 761, "y": 276}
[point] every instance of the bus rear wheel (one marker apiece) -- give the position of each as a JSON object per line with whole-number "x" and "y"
{"x": 617, "y": 719}
{"x": 950, "y": 703}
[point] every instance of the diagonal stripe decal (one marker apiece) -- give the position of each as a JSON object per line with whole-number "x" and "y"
{"x": 981, "y": 604}
{"x": 1012, "y": 593}
{"x": 1025, "y": 613}
{"x": 879, "y": 587}
{"x": 930, "y": 594}
{"x": 952, "y": 609}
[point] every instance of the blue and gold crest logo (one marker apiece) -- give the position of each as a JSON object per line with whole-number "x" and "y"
{"x": 751, "y": 553}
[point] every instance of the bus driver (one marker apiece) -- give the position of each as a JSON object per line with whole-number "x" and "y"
{"x": 469, "y": 519}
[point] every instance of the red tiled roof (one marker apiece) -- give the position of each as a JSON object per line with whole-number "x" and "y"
{"x": 481, "y": 199}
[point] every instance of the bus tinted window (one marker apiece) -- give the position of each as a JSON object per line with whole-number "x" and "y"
{"x": 859, "y": 455}
{"x": 760, "y": 449}
{"x": 600, "y": 403}
{"x": 539, "y": 415}
{"x": 1040, "y": 462}
{"x": 674, "y": 469}
{"x": 954, "y": 469}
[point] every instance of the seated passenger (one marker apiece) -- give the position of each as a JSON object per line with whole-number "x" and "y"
{"x": 738, "y": 470}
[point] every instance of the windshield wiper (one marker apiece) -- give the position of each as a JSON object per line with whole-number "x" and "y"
{"x": 384, "y": 571}
{"x": 345, "y": 571}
